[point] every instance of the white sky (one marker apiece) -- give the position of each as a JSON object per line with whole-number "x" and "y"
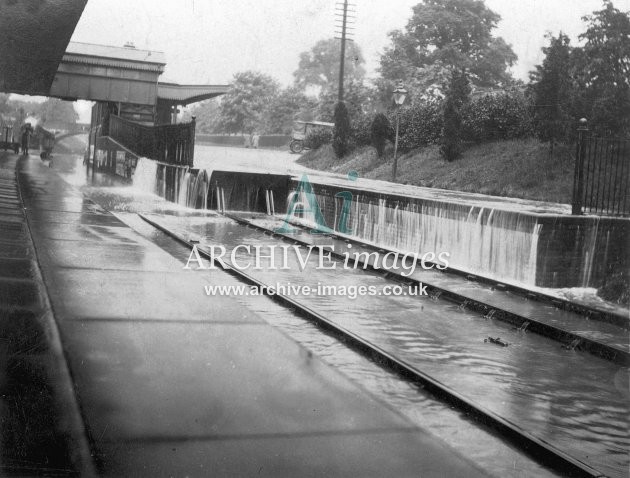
{"x": 207, "y": 41}
{"x": 210, "y": 40}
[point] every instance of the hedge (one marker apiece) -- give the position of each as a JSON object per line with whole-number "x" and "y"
{"x": 493, "y": 116}
{"x": 265, "y": 141}
{"x": 505, "y": 115}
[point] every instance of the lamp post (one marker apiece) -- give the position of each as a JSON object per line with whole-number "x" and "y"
{"x": 400, "y": 94}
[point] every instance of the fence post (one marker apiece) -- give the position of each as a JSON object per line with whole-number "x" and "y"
{"x": 191, "y": 142}
{"x": 578, "y": 178}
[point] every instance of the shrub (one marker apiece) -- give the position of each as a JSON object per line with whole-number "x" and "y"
{"x": 317, "y": 137}
{"x": 380, "y": 131}
{"x": 420, "y": 125}
{"x": 504, "y": 115}
{"x": 493, "y": 116}
{"x": 361, "y": 132}
{"x": 341, "y": 131}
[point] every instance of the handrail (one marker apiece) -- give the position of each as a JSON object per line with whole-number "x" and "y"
{"x": 172, "y": 143}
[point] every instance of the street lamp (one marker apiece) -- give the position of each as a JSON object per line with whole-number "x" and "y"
{"x": 400, "y": 94}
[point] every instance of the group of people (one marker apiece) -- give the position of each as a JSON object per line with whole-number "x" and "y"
{"x": 251, "y": 141}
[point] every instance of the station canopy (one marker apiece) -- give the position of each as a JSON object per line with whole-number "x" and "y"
{"x": 122, "y": 74}
{"x": 186, "y": 94}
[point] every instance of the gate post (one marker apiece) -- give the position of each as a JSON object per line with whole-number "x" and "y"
{"x": 191, "y": 142}
{"x": 578, "y": 178}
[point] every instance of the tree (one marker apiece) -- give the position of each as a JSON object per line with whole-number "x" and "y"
{"x": 207, "y": 116}
{"x": 603, "y": 68}
{"x": 341, "y": 131}
{"x": 58, "y": 112}
{"x": 319, "y": 67}
{"x": 243, "y": 105}
{"x": 379, "y": 130}
{"x": 552, "y": 91}
{"x": 444, "y": 35}
{"x": 290, "y": 105}
{"x": 357, "y": 97}
{"x": 457, "y": 96}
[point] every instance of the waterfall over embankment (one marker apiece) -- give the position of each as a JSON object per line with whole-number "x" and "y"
{"x": 208, "y": 189}
{"x": 545, "y": 250}
{"x": 254, "y": 192}
{"x": 511, "y": 245}
{"x": 145, "y": 176}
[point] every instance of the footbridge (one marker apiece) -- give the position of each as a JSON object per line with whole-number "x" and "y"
{"x": 59, "y": 137}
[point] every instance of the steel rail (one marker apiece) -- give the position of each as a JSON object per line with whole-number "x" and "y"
{"x": 537, "y": 448}
{"x": 567, "y": 338}
{"x": 620, "y": 320}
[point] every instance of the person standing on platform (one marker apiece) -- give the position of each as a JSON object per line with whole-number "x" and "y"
{"x": 27, "y": 131}
{"x": 255, "y": 138}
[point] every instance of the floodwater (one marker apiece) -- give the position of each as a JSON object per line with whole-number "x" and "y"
{"x": 284, "y": 162}
{"x": 246, "y": 159}
{"x": 573, "y": 400}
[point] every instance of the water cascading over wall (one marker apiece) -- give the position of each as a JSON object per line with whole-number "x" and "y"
{"x": 187, "y": 187}
{"x": 544, "y": 250}
{"x": 511, "y": 246}
{"x": 193, "y": 188}
{"x": 253, "y": 192}
{"x": 583, "y": 251}
{"x": 496, "y": 243}
{"x": 207, "y": 189}
{"x": 145, "y": 176}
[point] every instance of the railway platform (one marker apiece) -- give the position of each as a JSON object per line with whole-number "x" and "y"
{"x": 117, "y": 364}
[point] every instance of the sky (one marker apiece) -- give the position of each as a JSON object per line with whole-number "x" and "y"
{"x": 207, "y": 41}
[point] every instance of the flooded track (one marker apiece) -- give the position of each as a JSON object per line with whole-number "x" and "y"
{"x": 540, "y": 315}
{"x": 569, "y": 399}
{"x": 575, "y": 401}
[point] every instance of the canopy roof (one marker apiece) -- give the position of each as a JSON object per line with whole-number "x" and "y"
{"x": 186, "y": 94}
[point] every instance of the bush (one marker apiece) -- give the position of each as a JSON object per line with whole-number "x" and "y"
{"x": 493, "y": 116}
{"x": 341, "y": 131}
{"x": 361, "y": 132}
{"x": 420, "y": 125}
{"x": 318, "y": 137}
{"x": 380, "y": 131}
{"x": 504, "y": 115}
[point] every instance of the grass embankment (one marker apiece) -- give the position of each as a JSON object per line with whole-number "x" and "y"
{"x": 515, "y": 168}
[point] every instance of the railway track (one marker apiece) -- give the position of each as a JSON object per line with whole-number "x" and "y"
{"x": 539, "y": 449}
{"x": 568, "y": 339}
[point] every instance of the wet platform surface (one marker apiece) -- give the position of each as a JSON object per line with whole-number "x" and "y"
{"x": 36, "y": 431}
{"x": 173, "y": 383}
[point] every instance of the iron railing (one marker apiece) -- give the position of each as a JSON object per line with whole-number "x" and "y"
{"x": 171, "y": 143}
{"x": 601, "y": 183}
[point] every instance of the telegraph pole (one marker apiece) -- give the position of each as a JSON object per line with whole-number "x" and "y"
{"x": 342, "y": 20}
